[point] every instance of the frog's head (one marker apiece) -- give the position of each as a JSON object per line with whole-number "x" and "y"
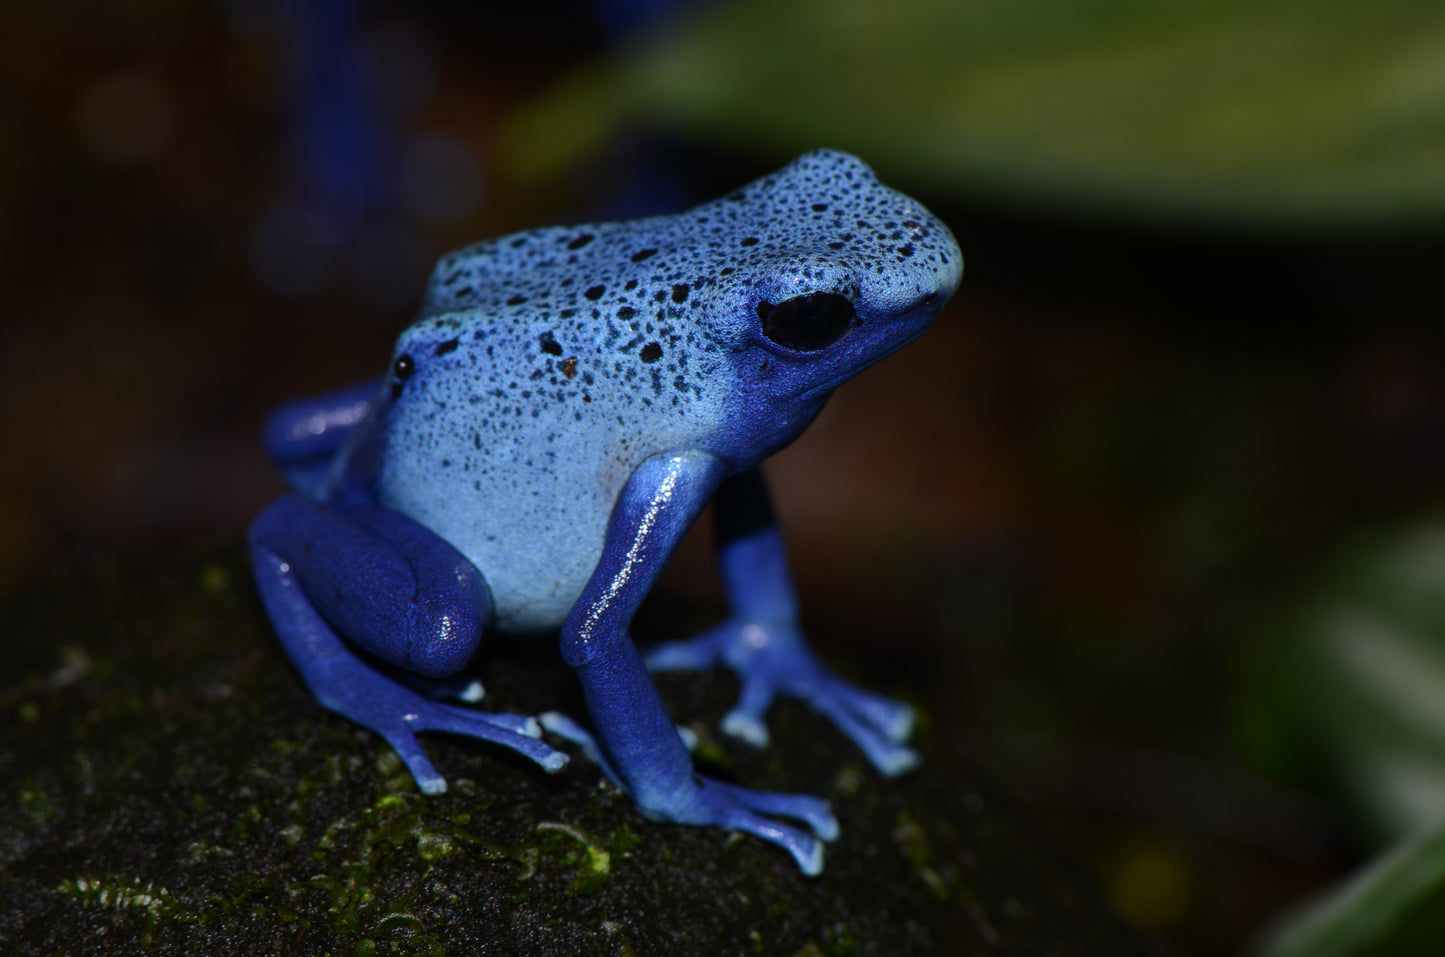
{"x": 841, "y": 271}
{"x": 735, "y": 318}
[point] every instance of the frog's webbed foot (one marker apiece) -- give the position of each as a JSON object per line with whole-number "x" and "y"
{"x": 740, "y": 809}
{"x": 715, "y": 803}
{"x": 772, "y": 658}
{"x": 354, "y": 690}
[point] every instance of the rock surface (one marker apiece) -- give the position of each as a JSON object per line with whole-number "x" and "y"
{"x": 168, "y": 787}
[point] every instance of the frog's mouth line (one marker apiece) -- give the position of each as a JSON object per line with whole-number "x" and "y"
{"x": 894, "y": 345}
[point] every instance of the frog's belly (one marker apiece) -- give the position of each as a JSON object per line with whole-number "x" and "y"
{"x": 535, "y": 535}
{"x": 536, "y": 561}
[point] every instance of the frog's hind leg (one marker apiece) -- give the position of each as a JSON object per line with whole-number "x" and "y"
{"x": 396, "y": 590}
{"x": 302, "y": 437}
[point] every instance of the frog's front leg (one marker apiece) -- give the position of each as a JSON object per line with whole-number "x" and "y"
{"x": 761, "y": 641}
{"x": 396, "y": 590}
{"x": 636, "y": 741}
{"x": 302, "y": 436}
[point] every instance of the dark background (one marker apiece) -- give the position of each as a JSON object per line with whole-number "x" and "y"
{"x": 1060, "y": 522}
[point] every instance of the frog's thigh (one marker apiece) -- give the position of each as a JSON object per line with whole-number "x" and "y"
{"x": 381, "y": 580}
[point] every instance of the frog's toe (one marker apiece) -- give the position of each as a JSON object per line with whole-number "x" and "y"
{"x": 699, "y": 653}
{"x": 878, "y": 725}
{"x": 524, "y": 724}
{"x": 806, "y": 849}
{"x": 890, "y": 759}
{"x": 428, "y": 780}
{"x": 555, "y": 722}
{"x": 471, "y": 692}
{"x": 521, "y": 733}
{"x": 752, "y": 812}
{"x": 893, "y": 719}
{"x": 812, "y": 811}
{"x": 450, "y": 688}
{"x": 745, "y": 720}
{"x": 886, "y": 754}
{"x": 746, "y": 727}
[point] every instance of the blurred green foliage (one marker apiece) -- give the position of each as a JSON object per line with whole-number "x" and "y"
{"x": 1291, "y": 111}
{"x": 1359, "y": 676}
{"x": 1364, "y": 676}
{"x": 1394, "y": 907}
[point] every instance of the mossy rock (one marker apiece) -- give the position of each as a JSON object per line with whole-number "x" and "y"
{"x": 168, "y": 787}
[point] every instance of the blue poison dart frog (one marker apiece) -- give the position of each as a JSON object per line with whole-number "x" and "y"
{"x": 564, "y": 406}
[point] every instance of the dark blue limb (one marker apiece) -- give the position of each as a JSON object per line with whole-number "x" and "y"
{"x": 302, "y": 437}
{"x": 762, "y": 643}
{"x": 635, "y": 738}
{"x": 396, "y": 590}
{"x": 382, "y": 580}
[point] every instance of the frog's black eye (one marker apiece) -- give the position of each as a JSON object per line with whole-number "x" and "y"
{"x": 404, "y": 366}
{"x": 807, "y": 322}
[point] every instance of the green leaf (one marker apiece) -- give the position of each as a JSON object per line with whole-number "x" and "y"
{"x": 1289, "y": 112}
{"x": 1363, "y": 669}
{"x": 1394, "y": 907}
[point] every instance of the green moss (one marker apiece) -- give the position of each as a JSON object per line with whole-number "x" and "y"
{"x": 913, "y": 842}
{"x": 708, "y": 750}
{"x": 622, "y": 840}
{"x": 432, "y": 846}
{"x": 35, "y": 802}
{"x": 395, "y": 776}
{"x": 596, "y": 861}
{"x": 246, "y": 822}
{"x": 154, "y": 903}
{"x": 838, "y": 940}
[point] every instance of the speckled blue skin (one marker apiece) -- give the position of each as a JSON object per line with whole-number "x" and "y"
{"x": 565, "y": 405}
